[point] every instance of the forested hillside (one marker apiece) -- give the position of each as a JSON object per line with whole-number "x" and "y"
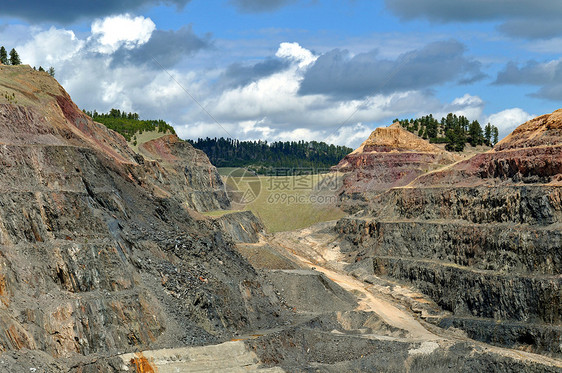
{"x": 261, "y": 155}
{"x": 453, "y": 130}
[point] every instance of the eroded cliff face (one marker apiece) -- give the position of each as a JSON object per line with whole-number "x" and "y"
{"x": 482, "y": 238}
{"x": 95, "y": 256}
{"x": 189, "y": 175}
{"x": 390, "y": 157}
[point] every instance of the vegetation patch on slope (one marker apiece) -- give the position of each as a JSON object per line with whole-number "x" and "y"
{"x": 130, "y": 125}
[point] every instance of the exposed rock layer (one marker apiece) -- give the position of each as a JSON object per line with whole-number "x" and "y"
{"x": 188, "y": 176}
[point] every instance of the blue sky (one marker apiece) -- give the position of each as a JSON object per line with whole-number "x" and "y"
{"x": 297, "y": 69}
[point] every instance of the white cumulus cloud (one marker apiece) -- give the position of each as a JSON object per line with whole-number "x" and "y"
{"x": 351, "y": 136}
{"x": 467, "y": 101}
{"x": 294, "y": 52}
{"x": 50, "y": 47}
{"x": 266, "y": 106}
{"x": 508, "y": 120}
{"x": 122, "y": 30}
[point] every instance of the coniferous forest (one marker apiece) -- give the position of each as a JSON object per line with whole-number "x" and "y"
{"x": 262, "y": 156}
{"x": 257, "y": 155}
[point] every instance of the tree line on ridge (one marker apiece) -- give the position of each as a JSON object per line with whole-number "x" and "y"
{"x": 452, "y": 130}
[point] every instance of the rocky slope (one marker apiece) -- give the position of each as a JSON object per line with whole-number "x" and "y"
{"x": 96, "y": 256}
{"x": 185, "y": 173}
{"x": 390, "y": 157}
{"x": 482, "y": 238}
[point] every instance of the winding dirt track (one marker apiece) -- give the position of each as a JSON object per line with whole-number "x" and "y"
{"x": 317, "y": 255}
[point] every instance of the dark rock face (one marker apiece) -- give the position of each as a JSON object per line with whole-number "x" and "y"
{"x": 94, "y": 256}
{"x": 504, "y": 247}
{"x": 467, "y": 292}
{"x": 482, "y": 238}
{"x": 311, "y": 291}
{"x": 325, "y": 345}
{"x": 517, "y": 204}
{"x": 243, "y": 226}
{"x": 185, "y": 173}
{"x": 520, "y": 335}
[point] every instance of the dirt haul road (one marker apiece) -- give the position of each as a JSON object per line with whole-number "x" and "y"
{"x": 315, "y": 250}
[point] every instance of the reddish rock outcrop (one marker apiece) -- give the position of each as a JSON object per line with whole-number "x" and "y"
{"x": 37, "y": 110}
{"x": 531, "y": 154}
{"x": 390, "y": 157}
{"x": 545, "y": 130}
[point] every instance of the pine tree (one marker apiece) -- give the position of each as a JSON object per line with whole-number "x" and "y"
{"x": 488, "y": 134}
{"x": 41, "y": 68}
{"x": 3, "y": 56}
{"x": 495, "y": 134}
{"x": 475, "y": 133}
{"x": 51, "y": 71}
{"x": 14, "y": 57}
{"x": 455, "y": 134}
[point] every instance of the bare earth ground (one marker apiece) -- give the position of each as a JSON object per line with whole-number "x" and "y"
{"x": 314, "y": 251}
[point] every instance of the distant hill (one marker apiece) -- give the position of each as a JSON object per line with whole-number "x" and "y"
{"x": 391, "y": 157}
{"x": 262, "y": 156}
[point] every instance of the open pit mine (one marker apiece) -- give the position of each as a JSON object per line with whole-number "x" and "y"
{"x": 108, "y": 264}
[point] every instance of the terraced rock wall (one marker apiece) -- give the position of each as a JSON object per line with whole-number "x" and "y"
{"x": 482, "y": 238}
